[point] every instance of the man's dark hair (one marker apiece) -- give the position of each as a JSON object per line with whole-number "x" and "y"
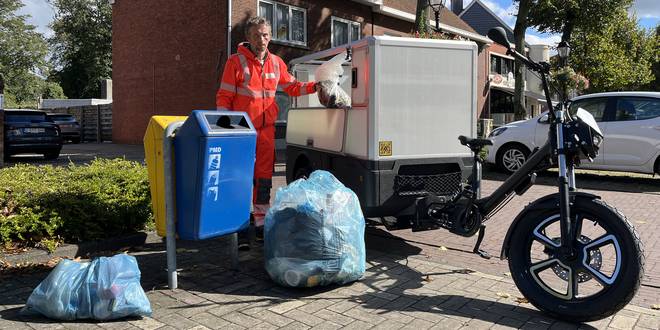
{"x": 255, "y": 21}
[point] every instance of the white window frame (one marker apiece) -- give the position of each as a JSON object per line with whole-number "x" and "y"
{"x": 273, "y": 23}
{"x": 350, "y": 24}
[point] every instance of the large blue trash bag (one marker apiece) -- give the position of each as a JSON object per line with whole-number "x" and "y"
{"x": 103, "y": 289}
{"x": 314, "y": 233}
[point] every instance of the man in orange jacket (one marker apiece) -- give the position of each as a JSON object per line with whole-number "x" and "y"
{"x": 249, "y": 82}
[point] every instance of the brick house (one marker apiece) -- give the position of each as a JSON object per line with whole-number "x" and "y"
{"x": 500, "y": 77}
{"x": 168, "y": 55}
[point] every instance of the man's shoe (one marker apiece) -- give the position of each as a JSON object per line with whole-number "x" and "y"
{"x": 259, "y": 234}
{"x": 244, "y": 246}
{"x": 243, "y": 240}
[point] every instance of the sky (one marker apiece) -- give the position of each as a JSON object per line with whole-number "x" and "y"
{"x": 648, "y": 13}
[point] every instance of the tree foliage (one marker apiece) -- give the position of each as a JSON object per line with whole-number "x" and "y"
{"x": 564, "y": 16}
{"x": 82, "y": 46}
{"x": 655, "y": 84}
{"x": 620, "y": 56}
{"x": 22, "y": 57}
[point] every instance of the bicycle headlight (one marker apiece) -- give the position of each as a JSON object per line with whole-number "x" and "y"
{"x": 583, "y": 136}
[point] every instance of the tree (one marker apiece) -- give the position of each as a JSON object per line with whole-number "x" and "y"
{"x": 22, "y": 57}
{"x": 422, "y": 17}
{"x": 564, "y": 16}
{"x": 655, "y": 84}
{"x": 82, "y": 46}
{"x": 620, "y": 56}
{"x": 524, "y": 7}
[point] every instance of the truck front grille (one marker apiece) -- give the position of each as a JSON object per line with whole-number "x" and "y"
{"x": 421, "y": 185}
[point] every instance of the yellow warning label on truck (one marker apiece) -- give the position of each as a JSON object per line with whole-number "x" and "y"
{"x": 385, "y": 148}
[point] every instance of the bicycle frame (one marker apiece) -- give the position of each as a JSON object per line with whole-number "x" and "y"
{"x": 524, "y": 177}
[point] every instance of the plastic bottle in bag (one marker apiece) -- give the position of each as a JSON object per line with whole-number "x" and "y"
{"x": 328, "y": 79}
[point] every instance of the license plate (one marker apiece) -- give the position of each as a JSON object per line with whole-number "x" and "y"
{"x": 34, "y": 130}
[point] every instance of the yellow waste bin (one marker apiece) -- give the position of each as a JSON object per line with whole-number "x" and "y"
{"x": 153, "y": 152}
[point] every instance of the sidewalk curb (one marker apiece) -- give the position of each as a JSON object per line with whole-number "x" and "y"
{"x": 81, "y": 249}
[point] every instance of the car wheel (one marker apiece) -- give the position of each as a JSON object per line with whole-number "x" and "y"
{"x": 52, "y": 155}
{"x": 511, "y": 157}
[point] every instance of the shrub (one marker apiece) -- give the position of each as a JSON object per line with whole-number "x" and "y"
{"x": 40, "y": 205}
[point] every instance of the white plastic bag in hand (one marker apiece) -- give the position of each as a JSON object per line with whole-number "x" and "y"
{"x": 329, "y": 76}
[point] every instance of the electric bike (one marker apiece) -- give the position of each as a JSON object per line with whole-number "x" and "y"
{"x": 570, "y": 254}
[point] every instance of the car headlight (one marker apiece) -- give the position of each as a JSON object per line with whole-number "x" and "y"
{"x": 497, "y": 131}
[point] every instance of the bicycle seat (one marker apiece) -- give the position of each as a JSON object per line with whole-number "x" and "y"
{"x": 474, "y": 144}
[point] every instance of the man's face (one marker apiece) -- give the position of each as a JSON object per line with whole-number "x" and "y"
{"x": 259, "y": 37}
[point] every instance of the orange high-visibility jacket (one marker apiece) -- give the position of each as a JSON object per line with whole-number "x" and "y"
{"x": 248, "y": 86}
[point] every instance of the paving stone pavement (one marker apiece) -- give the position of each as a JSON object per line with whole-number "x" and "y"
{"x": 423, "y": 280}
{"x": 402, "y": 289}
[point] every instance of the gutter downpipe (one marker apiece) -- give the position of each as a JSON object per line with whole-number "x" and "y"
{"x": 228, "y": 28}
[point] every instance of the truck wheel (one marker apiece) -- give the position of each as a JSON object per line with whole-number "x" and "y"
{"x": 511, "y": 157}
{"x": 302, "y": 173}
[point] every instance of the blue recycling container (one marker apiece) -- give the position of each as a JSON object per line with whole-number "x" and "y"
{"x": 214, "y": 154}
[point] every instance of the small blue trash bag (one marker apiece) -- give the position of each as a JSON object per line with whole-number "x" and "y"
{"x": 103, "y": 289}
{"x": 314, "y": 233}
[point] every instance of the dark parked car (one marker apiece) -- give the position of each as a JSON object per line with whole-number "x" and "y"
{"x": 69, "y": 126}
{"x": 31, "y": 131}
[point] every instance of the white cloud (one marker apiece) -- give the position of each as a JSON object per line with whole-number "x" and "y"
{"x": 551, "y": 40}
{"x": 647, "y": 8}
{"x": 41, "y": 14}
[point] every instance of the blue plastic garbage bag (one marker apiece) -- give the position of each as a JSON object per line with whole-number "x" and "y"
{"x": 314, "y": 233}
{"x": 103, "y": 289}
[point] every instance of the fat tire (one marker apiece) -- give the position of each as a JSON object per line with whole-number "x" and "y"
{"x": 601, "y": 305}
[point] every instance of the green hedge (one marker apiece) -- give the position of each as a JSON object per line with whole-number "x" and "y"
{"x": 43, "y": 205}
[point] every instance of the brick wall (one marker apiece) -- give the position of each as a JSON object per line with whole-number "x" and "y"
{"x": 483, "y": 61}
{"x": 166, "y": 54}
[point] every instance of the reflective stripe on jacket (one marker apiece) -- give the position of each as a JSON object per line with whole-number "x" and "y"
{"x": 248, "y": 86}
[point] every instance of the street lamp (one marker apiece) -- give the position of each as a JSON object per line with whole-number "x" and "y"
{"x": 563, "y": 49}
{"x": 436, "y": 11}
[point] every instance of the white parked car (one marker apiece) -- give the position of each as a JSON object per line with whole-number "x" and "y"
{"x": 630, "y": 122}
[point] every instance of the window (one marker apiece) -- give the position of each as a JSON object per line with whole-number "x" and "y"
{"x": 500, "y": 65}
{"x": 501, "y": 102}
{"x": 289, "y": 22}
{"x": 636, "y": 108}
{"x": 344, "y": 31}
{"x": 596, "y": 107}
